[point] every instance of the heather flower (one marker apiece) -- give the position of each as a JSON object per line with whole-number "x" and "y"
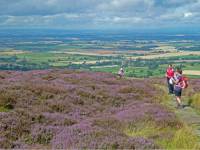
{"x": 78, "y": 110}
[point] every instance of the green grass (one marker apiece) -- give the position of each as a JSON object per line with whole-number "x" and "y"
{"x": 113, "y": 70}
{"x": 139, "y": 72}
{"x": 141, "y": 129}
{"x": 182, "y": 139}
{"x": 3, "y": 109}
{"x": 163, "y": 97}
{"x": 166, "y": 138}
{"x": 190, "y": 67}
{"x": 193, "y": 76}
{"x": 59, "y": 64}
{"x": 194, "y": 101}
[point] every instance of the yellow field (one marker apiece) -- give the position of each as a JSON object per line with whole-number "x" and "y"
{"x": 90, "y": 62}
{"x": 64, "y": 63}
{"x": 12, "y": 52}
{"x": 165, "y": 55}
{"x": 169, "y": 52}
{"x": 87, "y": 53}
{"x": 86, "y": 62}
{"x": 108, "y": 66}
{"x": 191, "y": 72}
{"x": 165, "y": 48}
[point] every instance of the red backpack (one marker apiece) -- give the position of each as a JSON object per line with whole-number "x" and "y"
{"x": 184, "y": 81}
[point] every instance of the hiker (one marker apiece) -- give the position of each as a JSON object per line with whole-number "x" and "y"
{"x": 179, "y": 84}
{"x": 120, "y": 73}
{"x": 170, "y": 74}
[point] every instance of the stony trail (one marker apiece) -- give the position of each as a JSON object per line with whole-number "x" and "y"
{"x": 187, "y": 114}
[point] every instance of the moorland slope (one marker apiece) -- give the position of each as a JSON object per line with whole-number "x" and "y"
{"x": 73, "y": 109}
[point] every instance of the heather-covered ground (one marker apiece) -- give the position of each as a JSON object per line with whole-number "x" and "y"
{"x": 71, "y": 109}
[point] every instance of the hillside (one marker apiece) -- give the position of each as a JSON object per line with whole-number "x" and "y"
{"x": 72, "y": 109}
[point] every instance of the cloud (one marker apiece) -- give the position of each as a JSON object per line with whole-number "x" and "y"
{"x": 98, "y": 13}
{"x": 119, "y": 20}
{"x": 44, "y": 7}
{"x": 65, "y": 20}
{"x": 188, "y": 14}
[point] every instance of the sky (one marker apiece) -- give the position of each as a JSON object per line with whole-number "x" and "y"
{"x": 100, "y": 14}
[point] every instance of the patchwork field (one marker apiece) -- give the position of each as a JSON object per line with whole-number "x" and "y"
{"x": 148, "y": 65}
{"x": 192, "y": 72}
{"x": 167, "y": 55}
{"x": 12, "y": 52}
{"x": 143, "y": 55}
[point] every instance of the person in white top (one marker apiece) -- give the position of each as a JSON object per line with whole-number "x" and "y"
{"x": 121, "y": 73}
{"x": 179, "y": 84}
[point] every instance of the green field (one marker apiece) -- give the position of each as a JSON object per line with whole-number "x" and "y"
{"x": 84, "y": 55}
{"x": 140, "y": 68}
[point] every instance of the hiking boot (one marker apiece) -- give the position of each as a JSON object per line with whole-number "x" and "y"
{"x": 179, "y": 107}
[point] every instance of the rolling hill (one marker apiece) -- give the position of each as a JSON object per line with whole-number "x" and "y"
{"x": 85, "y": 110}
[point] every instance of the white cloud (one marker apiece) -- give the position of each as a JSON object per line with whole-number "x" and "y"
{"x": 187, "y": 14}
{"x": 125, "y": 5}
{"x": 127, "y": 20}
{"x": 90, "y": 13}
{"x": 51, "y": 2}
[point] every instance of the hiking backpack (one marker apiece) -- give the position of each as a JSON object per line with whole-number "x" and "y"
{"x": 184, "y": 81}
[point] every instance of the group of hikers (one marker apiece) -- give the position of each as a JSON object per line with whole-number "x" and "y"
{"x": 176, "y": 83}
{"x": 175, "y": 80}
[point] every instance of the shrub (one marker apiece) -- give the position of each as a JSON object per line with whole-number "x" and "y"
{"x": 84, "y": 94}
{"x": 2, "y": 76}
{"x": 46, "y": 95}
{"x": 86, "y": 111}
{"x": 78, "y": 101}
{"x": 7, "y": 100}
{"x": 69, "y": 122}
{"x": 3, "y": 109}
{"x": 142, "y": 129}
{"x": 5, "y": 143}
{"x": 49, "y": 77}
{"x": 72, "y": 81}
{"x": 128, "y": 89}
{"x": 117, "y": 101}
{"x": 182, "y": 139}
{"x": 39, "y": 88}
{"x": 44, "y": 137}
{"x": 194, "y": 101}
{"x": 14, "y": 126}
{"x": 111, "y": 123}
{"x": 38, "y": 118}
{"x": 41, "y": 135}
{"x": 57, "y": 107}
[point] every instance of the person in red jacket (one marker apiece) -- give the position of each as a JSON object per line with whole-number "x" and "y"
{"x": 170, "y": 74}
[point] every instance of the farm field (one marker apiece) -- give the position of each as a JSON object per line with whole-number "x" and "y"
{"x": 140, "y": 66}
{"x": 192, "y": 72}
{"x": 140, "y": 56}
{"x": 168, "y": 55}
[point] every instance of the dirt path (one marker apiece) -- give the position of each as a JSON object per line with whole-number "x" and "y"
{"x": 187, "y": 115}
